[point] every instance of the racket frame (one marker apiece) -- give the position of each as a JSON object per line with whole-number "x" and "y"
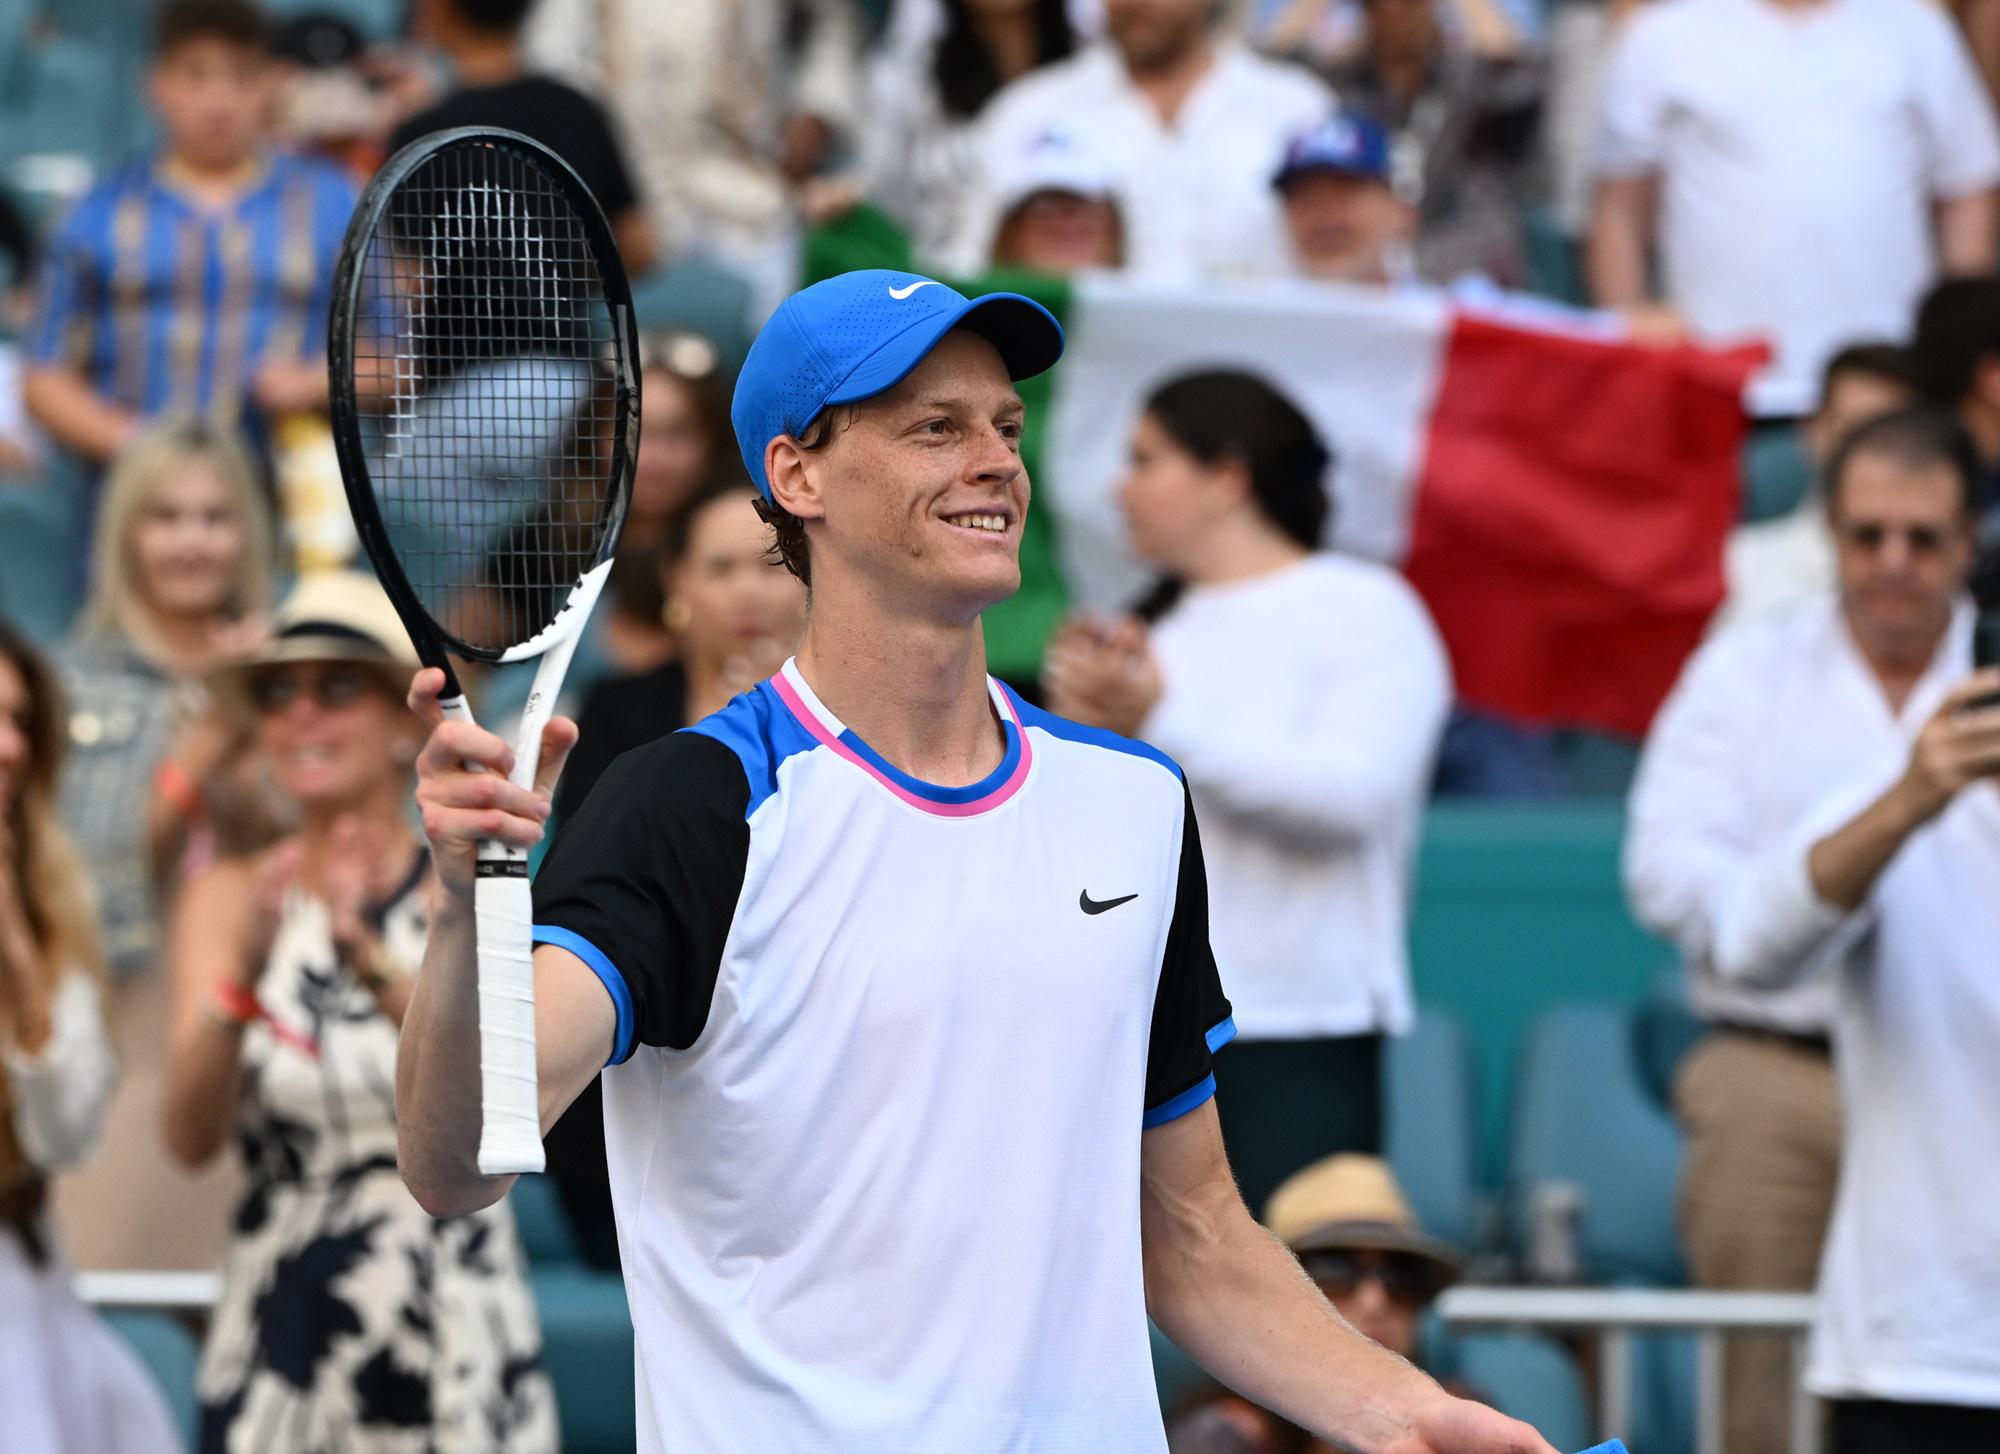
{"x": 510, "y": 1121}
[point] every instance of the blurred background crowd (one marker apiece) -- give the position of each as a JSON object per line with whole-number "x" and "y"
{"x": 1699, "y": 994}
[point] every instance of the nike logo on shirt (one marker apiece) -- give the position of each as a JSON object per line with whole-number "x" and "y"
{"x": 1097, "y": 906}
{"x": 903, "y": 292}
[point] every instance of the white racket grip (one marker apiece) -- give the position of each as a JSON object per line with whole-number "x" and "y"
{"x": 510, "y": 1125}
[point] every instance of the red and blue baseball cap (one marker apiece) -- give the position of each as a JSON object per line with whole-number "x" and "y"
{"x": 1348, "y": 143}
{"x": 854, "y": 336}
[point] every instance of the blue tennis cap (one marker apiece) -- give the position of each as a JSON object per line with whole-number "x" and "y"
{"x": 1349, "y": 143}
{"x": 857, "y": 335}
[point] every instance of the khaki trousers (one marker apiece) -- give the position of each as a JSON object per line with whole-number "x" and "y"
{"x": 1763, "y": 1153}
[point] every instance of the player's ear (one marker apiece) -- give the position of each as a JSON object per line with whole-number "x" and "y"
{"x": 794, "y": 483}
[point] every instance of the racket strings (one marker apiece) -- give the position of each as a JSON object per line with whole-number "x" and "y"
{"x": 486, "y": 367}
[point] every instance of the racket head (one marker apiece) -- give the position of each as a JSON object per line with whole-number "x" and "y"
{"x": 482, "y": 357}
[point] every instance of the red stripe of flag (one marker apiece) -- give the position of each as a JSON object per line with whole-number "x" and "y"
{"x": 1570, "y": 517}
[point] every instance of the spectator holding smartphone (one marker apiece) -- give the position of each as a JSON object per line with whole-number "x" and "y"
{"x": 67, "y": 1385}
{"x": 1815, "y": 826}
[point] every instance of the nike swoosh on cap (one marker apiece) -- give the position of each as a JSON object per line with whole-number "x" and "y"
{"x": 903, "y": 292}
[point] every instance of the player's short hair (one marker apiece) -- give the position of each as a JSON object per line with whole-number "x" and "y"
{"x": 235, "y": 22}
{"x": 1919, "y": 437}
{"x": 1877, "y": 360}
{"x": 500, "y": 17}
{"x": 1958, "y": 326}
{"x": 792, "y": 549}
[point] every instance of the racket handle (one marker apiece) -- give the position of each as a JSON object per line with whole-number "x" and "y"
{"x": 510, "y": 1126}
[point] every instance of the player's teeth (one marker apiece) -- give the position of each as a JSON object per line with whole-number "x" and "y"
{"x": 982, "y": 522}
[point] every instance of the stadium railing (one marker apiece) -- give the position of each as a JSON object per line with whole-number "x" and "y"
{"x": 1613, "y": 1315}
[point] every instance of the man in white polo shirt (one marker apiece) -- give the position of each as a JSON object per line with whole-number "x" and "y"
{"x": 901, "y": 989}
{"x": 1816, "y": 824}
{"x": 1190, "y": 121}
{"x": 1806, "y": 167}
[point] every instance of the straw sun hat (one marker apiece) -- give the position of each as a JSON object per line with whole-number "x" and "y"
{"x": 333, "y": 615}
{"x": 1349, "y": 1202}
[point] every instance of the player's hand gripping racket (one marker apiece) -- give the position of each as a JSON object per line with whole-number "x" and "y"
{"x": 485, "y": 407}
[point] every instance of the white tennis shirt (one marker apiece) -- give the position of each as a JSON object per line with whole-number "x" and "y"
{"x": 884, "y": 1055}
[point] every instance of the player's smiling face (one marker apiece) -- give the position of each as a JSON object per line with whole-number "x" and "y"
{"x": 922, "y": 490}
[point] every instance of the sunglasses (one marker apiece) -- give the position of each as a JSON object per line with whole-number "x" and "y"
{"x": 1871, "y": 535}
{"x": 1406, "y": 1278}
{"x": 274, "y": 689}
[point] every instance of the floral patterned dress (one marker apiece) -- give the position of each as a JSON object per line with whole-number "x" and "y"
{"x": 351, "y": 1321}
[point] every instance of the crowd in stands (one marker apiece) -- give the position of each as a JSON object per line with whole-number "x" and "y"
{"x": 211, "y": 889}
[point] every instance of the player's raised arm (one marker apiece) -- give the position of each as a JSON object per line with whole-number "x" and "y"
{"x": 465, "y": 796}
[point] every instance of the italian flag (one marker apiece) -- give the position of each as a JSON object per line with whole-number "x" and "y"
{"x": 1559, "y": 497}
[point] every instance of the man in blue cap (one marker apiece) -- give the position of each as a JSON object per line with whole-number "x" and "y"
{"x": 1348, "y": 223}
{"x": 900, "y": 988}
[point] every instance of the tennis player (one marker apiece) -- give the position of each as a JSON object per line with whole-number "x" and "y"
{"x": 900, "y": 989}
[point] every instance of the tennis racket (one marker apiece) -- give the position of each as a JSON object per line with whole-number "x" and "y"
{"x": 486, "y": 411}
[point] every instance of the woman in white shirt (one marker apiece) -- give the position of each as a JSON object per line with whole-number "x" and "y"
{"x": 67, "y": 1385}
{"x": 1303, "y": 692}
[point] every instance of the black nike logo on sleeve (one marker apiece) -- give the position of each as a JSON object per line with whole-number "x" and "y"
{"x": 1097, "y": 906}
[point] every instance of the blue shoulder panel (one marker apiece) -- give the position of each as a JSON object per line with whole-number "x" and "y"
{"x": 757, "y": 727}
{"x": 1049, "y": 722}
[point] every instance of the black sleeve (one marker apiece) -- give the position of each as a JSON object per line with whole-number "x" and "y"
{"x": 642, "y": 884}
{"x": 612, "y": 184}
{"x": 1191, "y": 1016}
{"x": 596, "y": 749}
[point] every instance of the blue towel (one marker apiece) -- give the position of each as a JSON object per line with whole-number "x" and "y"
{"x": 1616, "y": 1446}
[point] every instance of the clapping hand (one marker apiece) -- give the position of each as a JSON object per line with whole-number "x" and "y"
{"x": 1102, "y": 672}
{"x": 274, "y": 872}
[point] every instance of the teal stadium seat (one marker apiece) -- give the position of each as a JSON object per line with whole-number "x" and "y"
{"x": 1777, "y": 475}
{"x": 1527, "y": 1375}
{"x": 1584, "y": 1115}
{"x": 1430, "y": 1138}
{"x": 374, "y": 20}
{"x": 701, "y": 298}
{"x": 50, "y": 115}
{"x": 170, "y": 1354}
{"x": 1519, "y": 908}
{"x": 37, "y": 531}
{"x": 541, "y": 1224}
{"x": 587, "y": 1346}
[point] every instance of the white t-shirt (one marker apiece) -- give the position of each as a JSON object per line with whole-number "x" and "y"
{"x": 1800, "y": 153}
{"x": 1196, "y": 196}
{"x": 885, "y": 1052}
{"x": 1306, "y": 706}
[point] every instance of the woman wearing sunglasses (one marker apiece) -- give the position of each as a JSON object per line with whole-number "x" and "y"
{"x": 349, "y": 1318}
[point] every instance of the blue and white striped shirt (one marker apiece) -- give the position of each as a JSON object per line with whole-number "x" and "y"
{"x": 164, "y": 306}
